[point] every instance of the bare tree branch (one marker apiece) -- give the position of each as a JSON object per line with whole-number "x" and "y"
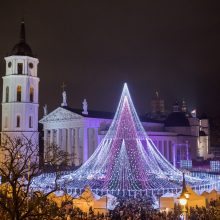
{"x": 19, "y": 166}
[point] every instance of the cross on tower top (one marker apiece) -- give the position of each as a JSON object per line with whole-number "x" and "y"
{"x": 63, "y": 86}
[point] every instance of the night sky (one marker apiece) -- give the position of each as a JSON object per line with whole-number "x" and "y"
{"x": 96, "y": 46}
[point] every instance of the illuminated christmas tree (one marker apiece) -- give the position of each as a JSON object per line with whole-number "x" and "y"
{"x": 126, "y": 161}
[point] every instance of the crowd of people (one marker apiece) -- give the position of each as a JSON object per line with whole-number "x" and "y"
{"x": 210, "y": 213}
{"x": 141, "y": 209}
{"x": 136, "y": 213}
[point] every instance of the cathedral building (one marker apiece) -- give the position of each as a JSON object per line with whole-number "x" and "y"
{"x": 20, "y": 92}
{"x": 179, "y": 137}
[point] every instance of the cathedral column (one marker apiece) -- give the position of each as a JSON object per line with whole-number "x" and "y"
{"x": 162, "y": 148}
{"x": 69, "y": 141}
{"x": 64, "y": 138}
{"x": 99, "y": 140}
{"x": 45, "y": 137}
{"x": 58, "y": 138}
{"x": 46, "y": 141}
{"x": 51, "y": 140}
{"x": 155, "y": 143}
{"x": 174, "y": 154}
{"x": 168, "y": 150}
{"x": 165, "y": 148}
{"x": 76, "y": 147}
{"x": 51, "y": 136}
{"x": 85, "y": 144}
{"x": 96, "y": 137}
{"x": 61, "y": 138}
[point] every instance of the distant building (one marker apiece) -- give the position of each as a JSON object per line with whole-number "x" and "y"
{"x": 157, "y": 105}
{"x": 184, "y": 106}
{"x": 157, "y": 108}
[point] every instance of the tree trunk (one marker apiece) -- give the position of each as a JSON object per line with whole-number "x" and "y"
{"x": 17, "y": 217}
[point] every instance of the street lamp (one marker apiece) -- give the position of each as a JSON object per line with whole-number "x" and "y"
{"x": 187, "y": 194}
{"x": 183, "y": 202}
{"x": 184, "y": 196}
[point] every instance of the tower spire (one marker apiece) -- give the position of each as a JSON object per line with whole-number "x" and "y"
{"x": 184, "y": 183}
{"x": 22, "y": 31}
{"x": 22, "y": 48}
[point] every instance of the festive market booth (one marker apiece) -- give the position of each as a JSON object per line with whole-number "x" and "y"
{"x": 167, "y": 201}
{"x": 195, "y": 199}
{"x": 60, "y": 197}
{"x": 86, "y": 200}
{"x": 211, "y": 196}
{"x": 105, "y": 203}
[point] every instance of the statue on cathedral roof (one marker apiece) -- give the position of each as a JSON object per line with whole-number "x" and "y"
{"x": 45, "y": 110}
{"x": 85, "y": 107}
{"x": 64, "y": 103}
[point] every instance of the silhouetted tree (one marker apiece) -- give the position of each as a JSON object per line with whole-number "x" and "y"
{"x": 20, "y": 198}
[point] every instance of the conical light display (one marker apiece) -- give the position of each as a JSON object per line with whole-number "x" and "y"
{"x": 126, "y": 161}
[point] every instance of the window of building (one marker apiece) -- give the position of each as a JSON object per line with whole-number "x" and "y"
{"x": 18, "y": 121}
{"x": 18, "y": 93}
{"x": 9, "y": 64}
{"x": 30, "y": 122}
{"x": 31, "y": 65}
{"x": 31, "y": 94}
{"x": 20, "y": 68}
{"x": 7, "y": 94}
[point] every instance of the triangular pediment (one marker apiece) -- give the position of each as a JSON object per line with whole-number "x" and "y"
{"x": 60, "y": 114}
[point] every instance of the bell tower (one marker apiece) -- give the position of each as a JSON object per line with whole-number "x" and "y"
{"x": 20, "y": 92}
